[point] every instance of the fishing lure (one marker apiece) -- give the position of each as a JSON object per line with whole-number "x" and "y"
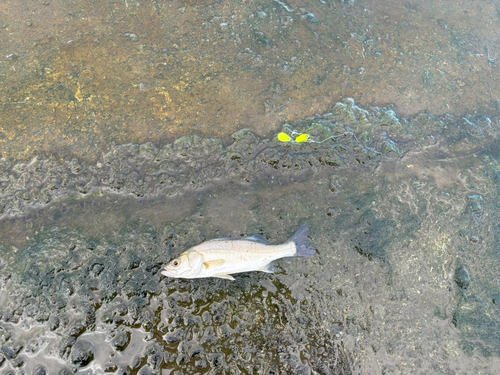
{"x": 283, "y": 137}
{"x": 301, "y": 138}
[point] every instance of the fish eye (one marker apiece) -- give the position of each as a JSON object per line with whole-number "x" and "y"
{"x": 176, "y": 262}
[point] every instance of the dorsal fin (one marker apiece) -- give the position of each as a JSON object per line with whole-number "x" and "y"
{"x": 255, "y": 238}
{"x": 258, "y": 238}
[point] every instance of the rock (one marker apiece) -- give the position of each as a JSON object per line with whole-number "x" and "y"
{"x": 53, "y": 323}
{"x": 462, "y": 277}
{"x": 9, "y": 353}
{"x": 474, "y": 203}
{"x": 145, "y": 370}
{"x": 123, "y": 371}
{"x": 82, "y": 353}
{"x": 40, "y": 370}
{"x": 110, "y": 368}
{"x": 121, "y": 340}
{"x": 155, "y": 360}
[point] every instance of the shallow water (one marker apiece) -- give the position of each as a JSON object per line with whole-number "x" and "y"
{"x": 403, "y": 214}
{"x": 78, "y": 76}
{"x": 121, "y": 142}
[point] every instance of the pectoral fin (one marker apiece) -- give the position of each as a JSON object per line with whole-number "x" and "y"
{"x": 268, "y": 268}
{"x": 214, "y": 263}
{"x": 224, "y": 276}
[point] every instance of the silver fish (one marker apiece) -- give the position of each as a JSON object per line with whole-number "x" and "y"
{"x": 224, "y": 256}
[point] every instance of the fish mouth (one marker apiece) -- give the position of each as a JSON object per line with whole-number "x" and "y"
{"x": 166, "y": 273}
{"x": 172, "y": 273}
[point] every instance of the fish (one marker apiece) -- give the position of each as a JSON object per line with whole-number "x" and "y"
{"x": 223, "y": 257}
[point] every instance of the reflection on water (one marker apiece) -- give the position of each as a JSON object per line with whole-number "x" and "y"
{"x": 404, "y": 215}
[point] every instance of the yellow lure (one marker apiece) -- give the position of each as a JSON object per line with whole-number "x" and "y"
{"x": 283, "y": 137}
{"x": 302, "y": 138}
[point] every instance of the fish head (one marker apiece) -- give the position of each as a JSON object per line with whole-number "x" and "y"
{"x": 188, "y": 266}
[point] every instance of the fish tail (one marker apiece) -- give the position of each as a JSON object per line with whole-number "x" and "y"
{"x": 301, "y": 241}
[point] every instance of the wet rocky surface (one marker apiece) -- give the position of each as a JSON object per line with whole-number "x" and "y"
{"x": 403, "y": 212}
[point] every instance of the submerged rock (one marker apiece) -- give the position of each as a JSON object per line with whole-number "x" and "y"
{"x": 462, "y": 277}
{"x": 82, "y": 353}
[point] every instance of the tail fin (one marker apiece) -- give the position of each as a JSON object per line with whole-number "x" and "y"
{"x": 301, "y": 240}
